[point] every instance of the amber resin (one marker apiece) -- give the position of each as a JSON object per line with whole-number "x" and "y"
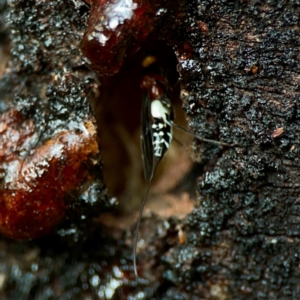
{"x": 117, "y": 29}
{"x": 37, "y": 183}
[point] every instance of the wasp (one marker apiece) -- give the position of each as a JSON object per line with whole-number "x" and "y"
{"x": 157, "y": 122}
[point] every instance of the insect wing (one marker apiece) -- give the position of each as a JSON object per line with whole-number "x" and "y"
{"x": 147, "y": 139}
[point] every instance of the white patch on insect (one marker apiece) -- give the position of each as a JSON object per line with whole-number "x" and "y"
{"x": 159, "y": 111}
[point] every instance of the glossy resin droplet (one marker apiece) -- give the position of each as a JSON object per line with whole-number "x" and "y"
{"x": 35, "y": 185}
{"x": 117, "y": 29}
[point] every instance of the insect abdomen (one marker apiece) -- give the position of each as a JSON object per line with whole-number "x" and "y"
{"x": 162, "y": 137}
{"x": 161, "y": 113}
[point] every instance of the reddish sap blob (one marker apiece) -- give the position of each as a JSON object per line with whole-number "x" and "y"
{"x": 117, "y": 29}
{"x": 34, "y": 185}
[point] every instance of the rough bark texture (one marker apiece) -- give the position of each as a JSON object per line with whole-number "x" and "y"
{"x": 239, "y": 71}
{"x": 241, "y": 80}
{"x": 49, "y": 153}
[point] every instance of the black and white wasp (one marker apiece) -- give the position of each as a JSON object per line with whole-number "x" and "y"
{"x": 157, "y": 121}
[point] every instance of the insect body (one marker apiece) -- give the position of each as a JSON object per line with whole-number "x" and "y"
{"x": 157, "y": 118}
{"x": 156, "y": 134}
{"x": 162, "y": 128}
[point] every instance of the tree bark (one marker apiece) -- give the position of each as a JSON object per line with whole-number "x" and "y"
{"x": 239, "y": 71}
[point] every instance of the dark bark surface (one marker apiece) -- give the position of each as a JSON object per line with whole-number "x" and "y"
{"x": 239, "y": 76}
{"x": 241, "y": 81}
{"x": 47, "y": 90}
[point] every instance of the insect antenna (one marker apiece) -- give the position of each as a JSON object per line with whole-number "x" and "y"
{"x": 202, "y": 139}
{"x": 136, "y": 235}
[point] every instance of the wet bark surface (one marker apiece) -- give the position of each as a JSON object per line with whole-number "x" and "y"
{"x": 238, "y": 65}
{"x": 241, "y": 76}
